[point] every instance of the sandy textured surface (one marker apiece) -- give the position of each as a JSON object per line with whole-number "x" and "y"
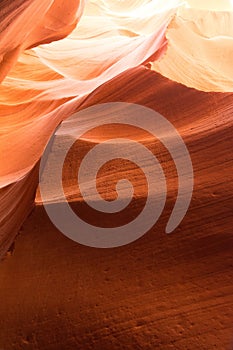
{"x": 162, "y": 291}
{"x": 44, "y": 84}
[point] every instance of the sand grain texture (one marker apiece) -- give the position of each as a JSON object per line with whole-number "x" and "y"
{"x": 166, "y": 292}
{"x": 162, "y": 291}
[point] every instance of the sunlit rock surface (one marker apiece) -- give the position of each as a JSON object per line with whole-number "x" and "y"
{"x": 165, "y": 292}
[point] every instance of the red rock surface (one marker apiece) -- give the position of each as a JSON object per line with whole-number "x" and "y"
{"x": 160, "y": 292}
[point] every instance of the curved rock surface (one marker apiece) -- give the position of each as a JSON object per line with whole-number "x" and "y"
{"x": 162, "y": 291}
